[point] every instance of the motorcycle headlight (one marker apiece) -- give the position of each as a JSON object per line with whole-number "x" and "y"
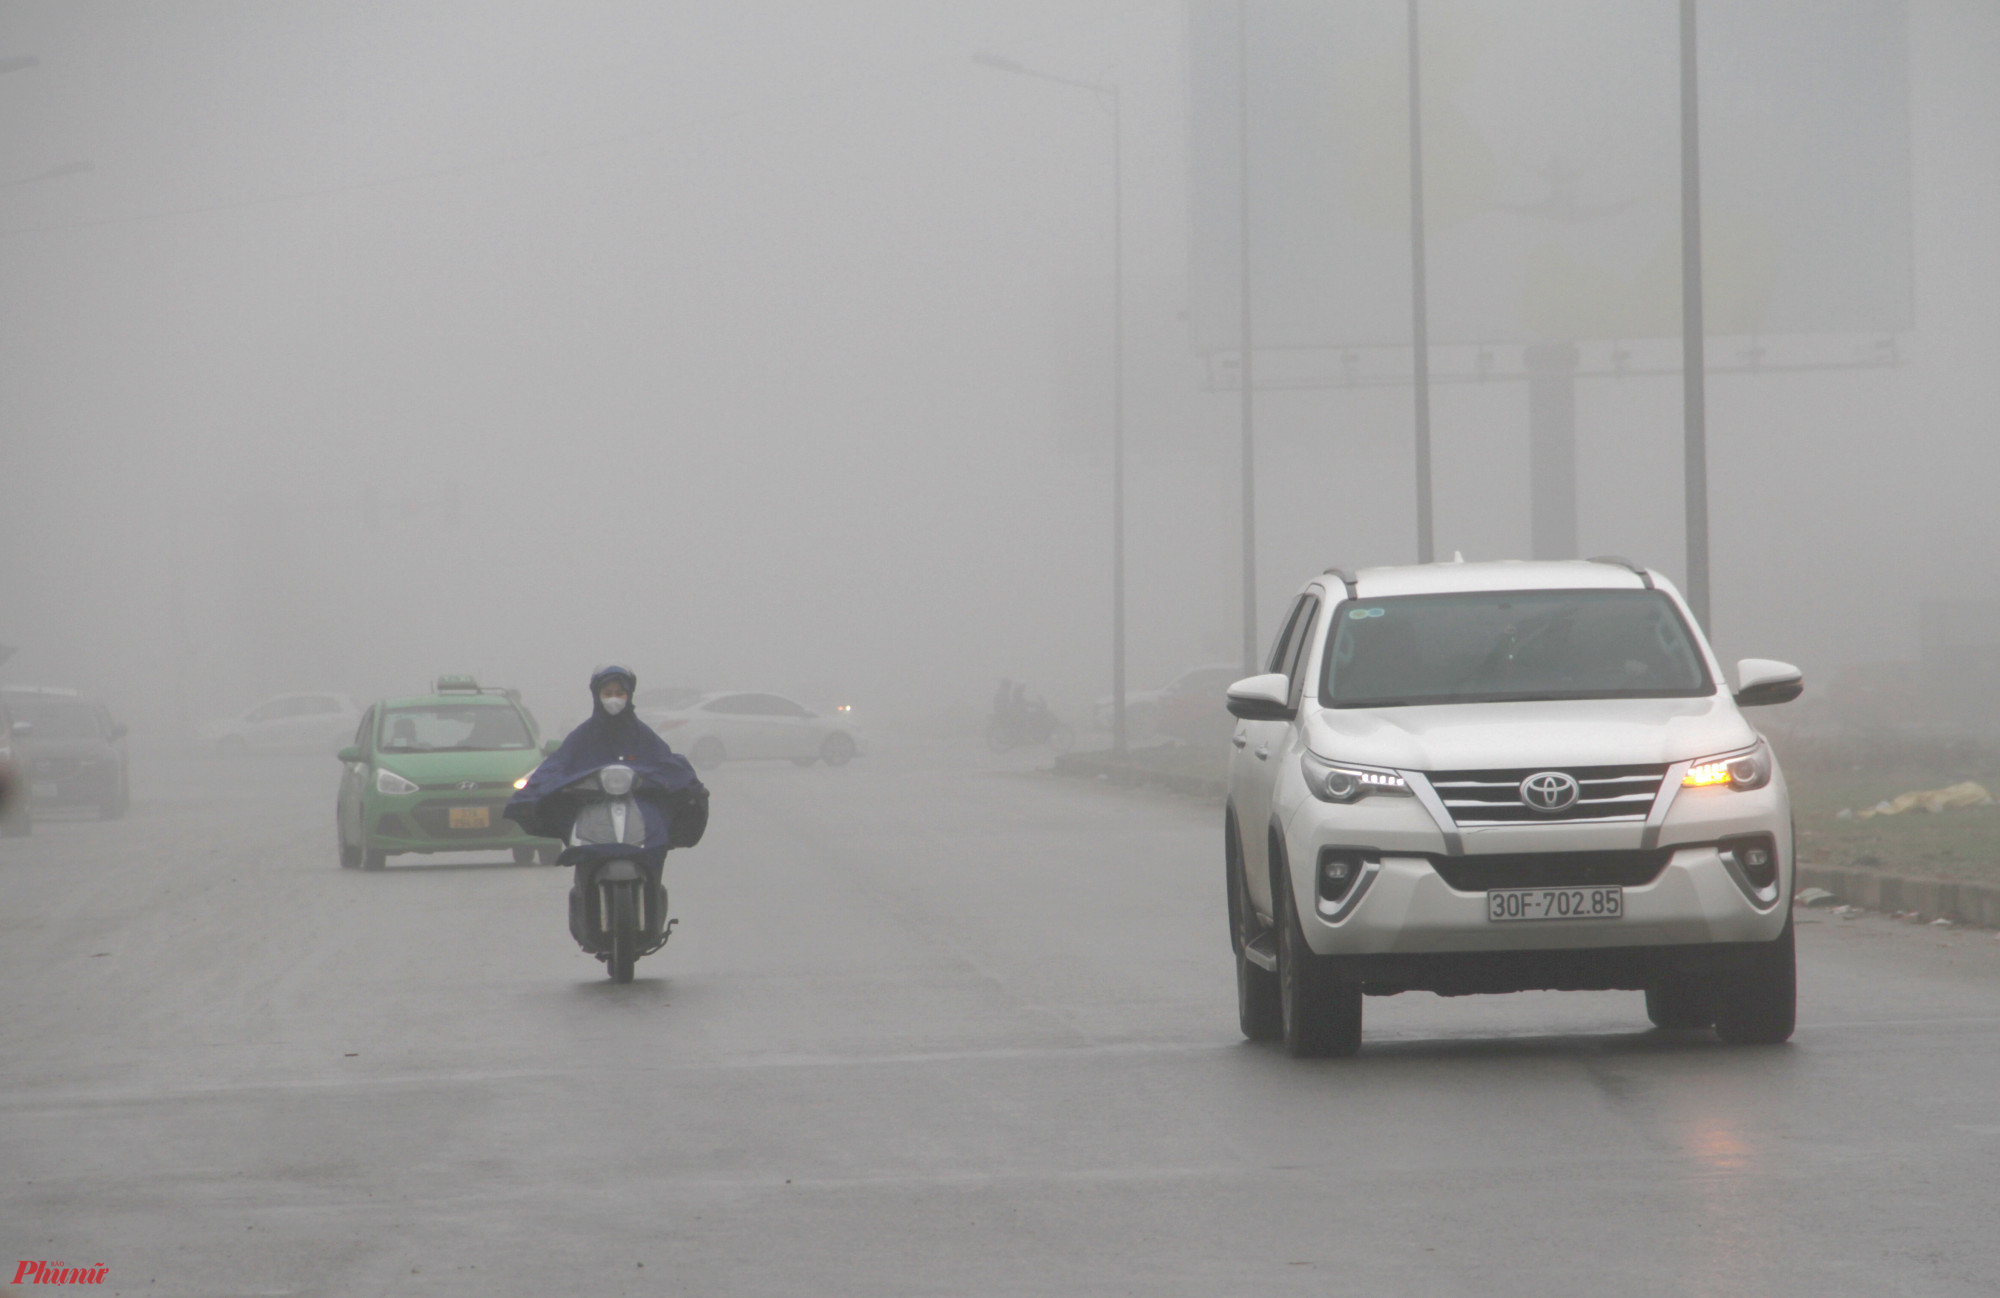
{"x": 394, "y": 785}
{"x": 616, "y": 780}
{"x": 1342, "y": 782}
{"x": 1749, "y": 769}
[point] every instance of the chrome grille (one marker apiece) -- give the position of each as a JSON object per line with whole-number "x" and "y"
{"x": 1605, "y": 793}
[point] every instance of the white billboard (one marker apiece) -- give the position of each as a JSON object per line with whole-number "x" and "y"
{"x": 1552, "y": 169}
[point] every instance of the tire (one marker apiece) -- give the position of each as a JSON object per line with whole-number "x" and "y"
{"x": 707, "y": 753}
{"x": 1319, "y": 1012}
{"x": 1681, "y": 1005}
{"x": 547, "y": 855}
{"x": 372, "y": 859}
{"x": 1257, "y": 1010}
{"x": 19, "y": 822}
{"x": 999, "y": 738}
{"x": 524, "y": 856}
{"x": 624, "y": 934}
{"x": 115, "y": 806}
{"x": 1062, "y": 738}
{"x": 837, "y": 749}
{"x": 1757, "y": 1005}
{"x": 349, "y": 856}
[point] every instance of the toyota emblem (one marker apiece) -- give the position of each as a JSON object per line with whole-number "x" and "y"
{"x": 1549, "y": 791}
{"x": 468, "y": 785}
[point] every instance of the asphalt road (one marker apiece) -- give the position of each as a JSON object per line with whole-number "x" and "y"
{"x": 929, "y": 1026}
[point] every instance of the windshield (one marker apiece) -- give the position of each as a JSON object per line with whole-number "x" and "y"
{"x": 460, "y": 727}
{"x": 56, "y": 718}
{"x": 1497, "y": 646}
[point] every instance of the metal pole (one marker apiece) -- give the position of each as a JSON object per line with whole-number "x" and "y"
{"x": 1694, "y": 397}
{"x": 1117, "y": 428}
{"x": 1420, "y": 341}
{"x": 1246, "y": 369}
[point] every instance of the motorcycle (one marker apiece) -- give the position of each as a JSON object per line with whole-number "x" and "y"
{"x": 1033, "y": 724}
{"x": 618, "y": 905}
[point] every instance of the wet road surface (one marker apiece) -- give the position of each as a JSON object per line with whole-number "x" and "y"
{"x": 929, "y": 1026}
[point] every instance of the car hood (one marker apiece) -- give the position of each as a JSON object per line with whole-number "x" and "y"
{"x": 1570, "y": 732}
{"x": 508, "y": 764}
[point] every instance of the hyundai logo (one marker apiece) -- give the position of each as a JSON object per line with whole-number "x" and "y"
{"x": 1549, "y": 791}
{"x": 473, "y": 784}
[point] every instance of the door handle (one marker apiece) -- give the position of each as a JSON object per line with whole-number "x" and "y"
{"x": 1263, "y": 753}
{"x": 1238, "y": 740}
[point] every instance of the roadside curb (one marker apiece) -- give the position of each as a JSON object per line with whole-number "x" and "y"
{"x": 1090, "y": 766}
{"x": 1958, "y": 900}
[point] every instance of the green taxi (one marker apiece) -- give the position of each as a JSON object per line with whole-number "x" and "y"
{"x": 432, "y": 772}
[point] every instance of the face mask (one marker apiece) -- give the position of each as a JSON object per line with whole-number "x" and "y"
{"x": 614, "y": 705}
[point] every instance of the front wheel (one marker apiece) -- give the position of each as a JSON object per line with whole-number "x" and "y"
{"x": 1320, "y": 1012}
{"x": 349, "y": 856}
{"x": 1257, "y": 1011}
{"x": 706, "y": 754}
{"x": 1757, "y": 1005}
{"x": 837, "y": 750}
{"x": 524, "y": 856}
{"x": 624, "y": 933}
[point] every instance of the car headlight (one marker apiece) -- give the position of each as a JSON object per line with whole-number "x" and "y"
{"x": 1342, "y": 782}
{"x": 387, "y": 781}
{"x": 1749, "y": 769}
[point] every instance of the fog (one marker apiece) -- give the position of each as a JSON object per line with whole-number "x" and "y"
{"x": 767, "y": 346}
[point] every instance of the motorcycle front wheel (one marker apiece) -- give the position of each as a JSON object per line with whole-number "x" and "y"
{"x": 624, "y": 933}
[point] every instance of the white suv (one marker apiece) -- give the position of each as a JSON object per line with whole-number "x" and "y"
{"x": 1492, "y": 777}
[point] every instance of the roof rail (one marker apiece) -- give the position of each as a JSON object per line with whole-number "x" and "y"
{"x": 1618, "y": 562}
{"x": 1346, "y": 579}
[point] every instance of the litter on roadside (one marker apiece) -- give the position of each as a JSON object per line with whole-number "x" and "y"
{"x": 1966, "y": 793}
{"x": 1814, "y": 897}
{"x": 1940, "y": 922}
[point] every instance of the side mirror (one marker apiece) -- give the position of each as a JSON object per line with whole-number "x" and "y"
{"x": 118, "y": 730}
{"x": 549, "y": 747}
{"x": 349, "y": 754}
{"x": 1261, "y": 698}
{"x": 1763, "y": 681}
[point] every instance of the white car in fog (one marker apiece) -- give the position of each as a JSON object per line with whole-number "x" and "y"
{"x": 735, "y": 724}
{"x": 293, "y": 723}
{"x": 1490, "y": 777}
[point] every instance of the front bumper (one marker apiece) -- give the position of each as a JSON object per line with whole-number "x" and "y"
{"x": 422, "y": 823}
{"x": 1403, "y": 906}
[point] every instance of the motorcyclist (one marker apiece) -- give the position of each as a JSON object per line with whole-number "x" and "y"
{"x": 672, "y": 799}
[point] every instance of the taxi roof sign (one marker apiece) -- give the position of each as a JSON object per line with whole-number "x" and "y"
{"x": 457, "y": 685}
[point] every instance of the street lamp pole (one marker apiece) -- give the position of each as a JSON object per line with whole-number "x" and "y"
{"x": 1694, "y": 394}
{"x": 1109, "y": 94}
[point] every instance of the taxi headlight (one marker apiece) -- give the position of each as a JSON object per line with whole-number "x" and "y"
{"x": 1341, "y": 782}
{"x": 1750, "y": 769}
{"x": 392, "y": 784}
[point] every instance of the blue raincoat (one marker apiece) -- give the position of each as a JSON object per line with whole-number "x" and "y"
{"x": 670, "y": 796}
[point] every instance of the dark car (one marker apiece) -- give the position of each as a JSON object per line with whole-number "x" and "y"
{"x": 73, "y": 753}
{"x": 17, "y": 812}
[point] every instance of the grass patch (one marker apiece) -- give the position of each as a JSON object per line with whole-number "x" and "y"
{"x": 1854, "y": 772}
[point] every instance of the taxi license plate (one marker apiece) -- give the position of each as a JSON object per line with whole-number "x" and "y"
{"x": 471, "y": 817}
{"x": 1506, "y": 904}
